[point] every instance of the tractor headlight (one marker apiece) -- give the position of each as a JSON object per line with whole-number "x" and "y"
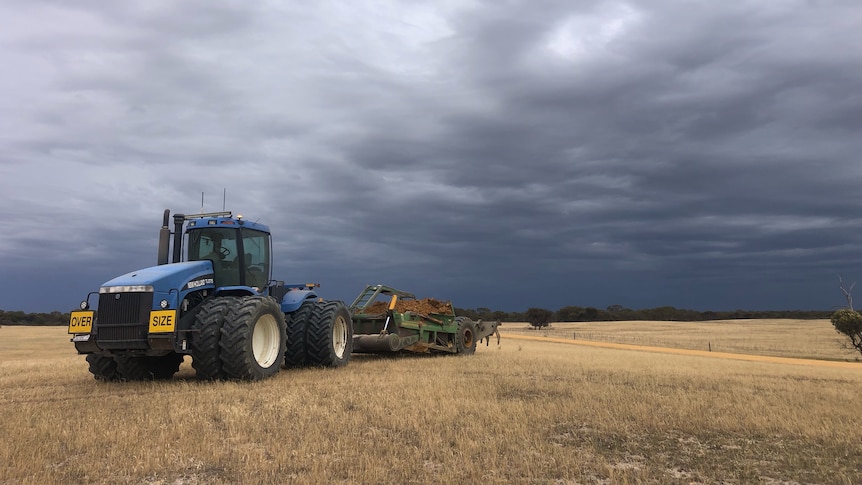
{"x": 84, "y": 305}
{"x": 164, "y": 304}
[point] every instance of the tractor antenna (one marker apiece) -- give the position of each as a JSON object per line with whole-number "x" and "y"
{"x": 223, "y": 199}
{"x": 202, "y": 202}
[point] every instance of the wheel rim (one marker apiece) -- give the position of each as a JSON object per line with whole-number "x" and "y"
{"x": 339, "y": 336}
{"x": 468, "y": 338}
{"x": 264, "y": 341}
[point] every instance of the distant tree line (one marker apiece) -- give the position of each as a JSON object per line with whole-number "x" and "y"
{"x": 34, "y": 319}
{"x": 565, "y": 314}
{"x": 618, "y": 312}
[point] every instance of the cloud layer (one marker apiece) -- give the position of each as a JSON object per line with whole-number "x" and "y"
{"x": 499, "y": 154}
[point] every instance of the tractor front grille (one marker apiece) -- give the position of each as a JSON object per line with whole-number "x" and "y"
{"x": 122, "y": 321}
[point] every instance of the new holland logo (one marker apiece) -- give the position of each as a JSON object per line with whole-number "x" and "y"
{"x": 199, "y": 282}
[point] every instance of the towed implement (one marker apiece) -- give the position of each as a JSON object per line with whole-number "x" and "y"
{"x": 217, "y": 302}
{"x": 389, "y": 320}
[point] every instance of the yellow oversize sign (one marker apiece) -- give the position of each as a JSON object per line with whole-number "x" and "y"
{"x": 81, "y": 322}
{"x": 162, "y": 321}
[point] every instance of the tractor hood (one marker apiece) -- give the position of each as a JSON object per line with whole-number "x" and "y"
{"x": 167, "y": 277}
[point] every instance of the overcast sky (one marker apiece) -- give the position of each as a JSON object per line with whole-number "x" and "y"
{"x": 500, "y": 154}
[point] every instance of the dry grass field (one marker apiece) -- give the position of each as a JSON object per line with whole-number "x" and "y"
{"x": 526, "y": 412}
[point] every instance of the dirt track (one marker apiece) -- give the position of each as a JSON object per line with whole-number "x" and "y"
{"x": 699, "y": 353}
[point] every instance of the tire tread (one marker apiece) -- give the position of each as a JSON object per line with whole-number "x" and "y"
{"x": 103, "y": 367}
{"x": 297, "y": 327}
{"x": 206, "y": 351}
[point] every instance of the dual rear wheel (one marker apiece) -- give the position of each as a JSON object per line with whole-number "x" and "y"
{"x": 320, "y": 334}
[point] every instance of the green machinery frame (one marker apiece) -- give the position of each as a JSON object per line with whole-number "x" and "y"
{"x": 392, "y": 331}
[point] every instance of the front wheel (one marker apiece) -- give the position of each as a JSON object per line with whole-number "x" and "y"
{"x": 206, "y": 336}
{"x": 103, "y": 367}
{"x": 253, "y": 339}
{"x": 148, "y": 368}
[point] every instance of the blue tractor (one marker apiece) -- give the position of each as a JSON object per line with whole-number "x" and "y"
{"x": 216, "y": 302}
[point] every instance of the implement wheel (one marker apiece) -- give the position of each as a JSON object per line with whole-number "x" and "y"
{"x": 329, "y": 339}
{"x": 253, "y": 339}
{"x": 465, "y": 339}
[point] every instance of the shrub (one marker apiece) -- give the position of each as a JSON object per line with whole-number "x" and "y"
{"x": 849, "y": 322}
{"x": 539, "y": 317}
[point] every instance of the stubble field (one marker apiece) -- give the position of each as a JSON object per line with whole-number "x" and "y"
{"x": 524, "y": 412}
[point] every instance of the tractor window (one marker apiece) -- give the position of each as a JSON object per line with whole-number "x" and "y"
{"x": 219, "y": 246}
{"x": 256, "y": 257}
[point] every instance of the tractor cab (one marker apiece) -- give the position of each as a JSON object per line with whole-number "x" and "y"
{"x": 239, "y": 250}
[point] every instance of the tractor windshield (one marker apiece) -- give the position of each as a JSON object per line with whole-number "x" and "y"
{"x": 239, "y": 256}
{"x": 218, "y": 245}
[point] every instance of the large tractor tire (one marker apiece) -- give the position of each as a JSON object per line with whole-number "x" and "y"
{"x": 297, "y": 326}
{"x": 148, "y": 368}
{"x": 465, "y": 339}
{"x": 134, "y": 367}
{"x": 206, "y": 337}
{"x": 103, "y": 367}
{"x": 329, "y": 339}
{"x": 253, "y": 339}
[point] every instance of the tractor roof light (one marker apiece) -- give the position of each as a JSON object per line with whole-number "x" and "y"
{"x": 84, "y": 305}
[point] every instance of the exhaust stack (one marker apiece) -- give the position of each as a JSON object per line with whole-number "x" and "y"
{"x": 179, "y": 220}
{"x": 165, "y": 238}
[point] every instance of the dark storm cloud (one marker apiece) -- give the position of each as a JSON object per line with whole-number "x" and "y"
{"x": 698, "y": 151}
{"x": 501, "y": 154}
